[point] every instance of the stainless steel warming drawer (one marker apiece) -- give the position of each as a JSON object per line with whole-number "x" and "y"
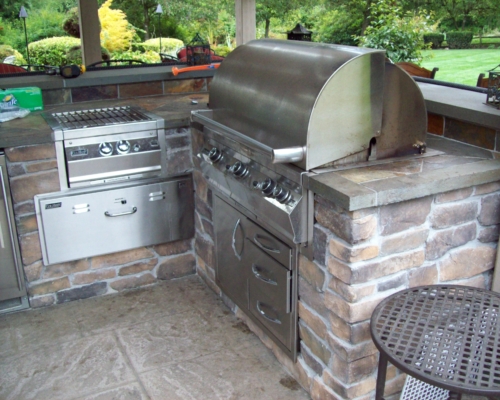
{"x": 83, "y": 223}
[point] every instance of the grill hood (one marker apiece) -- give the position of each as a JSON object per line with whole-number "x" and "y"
{"x": 316, "y": 104}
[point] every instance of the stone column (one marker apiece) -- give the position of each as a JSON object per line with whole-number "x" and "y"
{"x": 245, "y": 21}
{"x": 90, "y": 30}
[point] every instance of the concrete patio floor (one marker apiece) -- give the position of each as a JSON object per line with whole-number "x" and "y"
{"x": 174, "y": 340}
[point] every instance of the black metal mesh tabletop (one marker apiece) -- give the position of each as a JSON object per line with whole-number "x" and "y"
{"x": 448, "y": 336}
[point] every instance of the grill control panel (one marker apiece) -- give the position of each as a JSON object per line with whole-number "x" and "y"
{"x": 254, "y": 177}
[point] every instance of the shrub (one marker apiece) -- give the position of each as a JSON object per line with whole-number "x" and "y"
{"x": 459, "y": 40}
{"x": 399, "y": 33}
{"x": 52, "y": 51}
{"x": 435, "y": 39}
{"x": 168, "y": 45}
{"x": 116, "y": 32}
{"x": 72, "y": 23}
{"x": 222, "y": 50}
{"x": 74, "y": 55}
{"x": 6, "y": 51}
{"x": 150, "y": 57}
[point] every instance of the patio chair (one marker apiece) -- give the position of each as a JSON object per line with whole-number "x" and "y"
{"x": 482, "y": 81}
{"x": 416, "y": 70}
{"x": 11, "y": 69}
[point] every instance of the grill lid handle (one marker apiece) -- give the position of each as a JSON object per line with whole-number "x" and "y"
{"x": 288, "y": 155}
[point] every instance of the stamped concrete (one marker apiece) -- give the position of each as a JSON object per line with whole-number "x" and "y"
{"x": 172, "y": 340}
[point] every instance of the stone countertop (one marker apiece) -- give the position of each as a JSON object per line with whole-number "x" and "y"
{"x": 448, "y": 165}
{"x": 464, "y": 105}
{"x": 32, "y": 129}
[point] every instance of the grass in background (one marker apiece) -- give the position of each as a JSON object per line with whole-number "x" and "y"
{"x": 461, "y": 66}
{"x": 487, "y": 41}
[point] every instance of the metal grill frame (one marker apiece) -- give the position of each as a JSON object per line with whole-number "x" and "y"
{"x": 447, "y": 336}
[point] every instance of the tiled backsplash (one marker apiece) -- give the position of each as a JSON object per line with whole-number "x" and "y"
{"x": 124, "y": 91}
{"x": 465, "y": 132}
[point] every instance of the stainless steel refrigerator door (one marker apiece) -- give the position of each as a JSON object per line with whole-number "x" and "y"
{"x": 90, "y": 223}
{"x": 11, "y": 277}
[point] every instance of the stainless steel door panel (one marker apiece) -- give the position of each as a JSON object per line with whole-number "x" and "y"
{"x": 11, "y": 278}
{"x": 232, "y": 259}
{"x": 269, "y": 244}
{"x": 89, "y": 223}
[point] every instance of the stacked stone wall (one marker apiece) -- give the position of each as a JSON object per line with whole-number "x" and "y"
{"x": 33, "y": 170}
{"x": 364, "y": 256}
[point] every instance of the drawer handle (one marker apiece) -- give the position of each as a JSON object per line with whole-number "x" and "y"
{"x": 255, "y": 271}
{"x": 133, "y": 211}
{"x": 276, "y": 321}
{"x": 233, "y": 242}
{"x": 262, "y": 246}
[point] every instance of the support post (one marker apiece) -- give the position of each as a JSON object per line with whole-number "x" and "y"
{"x": 245, "y": 21}
{"x": 90, "y": 30}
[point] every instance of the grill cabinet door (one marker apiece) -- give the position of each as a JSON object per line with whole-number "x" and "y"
{"x": 231, "y": 270}
{"x": 11, "y": 278}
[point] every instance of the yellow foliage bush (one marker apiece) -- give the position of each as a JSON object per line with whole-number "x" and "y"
{"x": 116, "y": 33}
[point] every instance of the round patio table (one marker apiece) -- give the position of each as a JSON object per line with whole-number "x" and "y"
{"x": 445, "y": 335}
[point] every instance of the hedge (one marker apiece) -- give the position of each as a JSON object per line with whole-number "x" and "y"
{"x": 168, "y": 45}
{"x": 52, "y": 51}
{"x": 436, "y": 39}
{"x": 459, "y": 40}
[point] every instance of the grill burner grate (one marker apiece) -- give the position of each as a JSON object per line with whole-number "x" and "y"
{"x": 99, "y": 117}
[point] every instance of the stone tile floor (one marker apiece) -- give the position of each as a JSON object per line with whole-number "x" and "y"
{"x": 174, "y": 340}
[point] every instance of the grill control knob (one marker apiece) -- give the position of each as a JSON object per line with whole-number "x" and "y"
{"x": 136, "y": 147}
{"x": 239, "y": 169}
{"x": 282, "y": 195}
{"x": 266, "y": 186}
{"x": 123, "y": 146}
{"x": 105, "y": 149}
{"x": 215, "y": 155}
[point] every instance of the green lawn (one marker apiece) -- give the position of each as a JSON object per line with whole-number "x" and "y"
{"x": 461, "y": 66}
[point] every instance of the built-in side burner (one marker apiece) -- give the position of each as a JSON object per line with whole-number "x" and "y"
{"x": 108, "y": 145}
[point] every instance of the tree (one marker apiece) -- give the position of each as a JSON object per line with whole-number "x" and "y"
{"x": 139, "y": 13}
{"x": 9, "y": 9}
{"x": 268, "y": 9}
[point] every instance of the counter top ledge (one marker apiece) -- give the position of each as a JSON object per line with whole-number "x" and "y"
{"x": 32, "y": 129}
{"x": 460, "y": 104}
{"x": 402, "y": 180}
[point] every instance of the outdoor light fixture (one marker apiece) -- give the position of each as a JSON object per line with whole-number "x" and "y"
{"x": 159, "y": 11}
{"x": 23, "y": 14}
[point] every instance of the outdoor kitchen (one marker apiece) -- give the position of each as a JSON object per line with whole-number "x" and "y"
{"x": 314, "y": 196}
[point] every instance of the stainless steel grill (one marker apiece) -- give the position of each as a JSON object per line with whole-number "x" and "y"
{"x": 280, "y": 111}
{"x": 99, "y": 117}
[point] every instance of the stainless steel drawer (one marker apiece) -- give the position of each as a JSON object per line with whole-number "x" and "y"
{"x": 82, "y": 223}
{"x": 269, "y": 244}
{"x": 270, "y": 286}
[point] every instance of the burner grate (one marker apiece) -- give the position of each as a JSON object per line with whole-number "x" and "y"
{"x": 99, "y": 117}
